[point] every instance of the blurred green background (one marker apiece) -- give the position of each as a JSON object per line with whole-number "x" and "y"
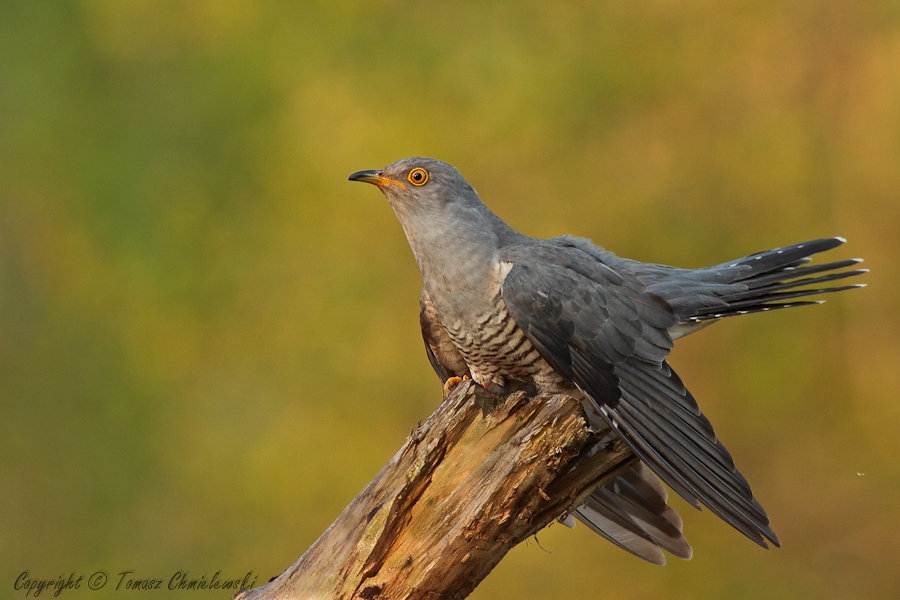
{"x": 209, "y": 338}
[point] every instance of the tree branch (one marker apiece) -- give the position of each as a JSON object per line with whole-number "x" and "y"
{"x": 479, "y": 476}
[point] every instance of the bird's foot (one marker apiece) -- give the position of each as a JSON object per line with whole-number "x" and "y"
{"x": 452, "y": 382}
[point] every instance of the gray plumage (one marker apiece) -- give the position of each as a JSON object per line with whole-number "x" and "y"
{"x": 563, "y": 315}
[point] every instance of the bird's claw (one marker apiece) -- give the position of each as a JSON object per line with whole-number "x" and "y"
{"x": 452, "y": 382}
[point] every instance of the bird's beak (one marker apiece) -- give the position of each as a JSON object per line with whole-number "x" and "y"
{"x": 372, "y": 176}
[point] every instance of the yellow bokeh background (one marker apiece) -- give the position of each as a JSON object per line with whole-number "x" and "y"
{"x": 209, "y": 338}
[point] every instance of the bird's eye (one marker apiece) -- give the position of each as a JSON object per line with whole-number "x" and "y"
{"x": 418, "y": 176}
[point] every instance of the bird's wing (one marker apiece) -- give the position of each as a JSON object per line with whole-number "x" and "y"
{"x": 443, "y": 355}
{"x": 601, "y": 330}
{"x": 631, "y": 512}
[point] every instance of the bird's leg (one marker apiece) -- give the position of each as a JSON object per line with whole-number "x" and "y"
{"x": 452, "y": 382}
{"x": 498, "y": 385}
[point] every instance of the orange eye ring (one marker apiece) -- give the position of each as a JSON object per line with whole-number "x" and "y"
{"x": 418, "y": 176}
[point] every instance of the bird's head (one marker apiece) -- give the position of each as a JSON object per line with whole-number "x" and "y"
{"x": 445, "y": 221}
{"x": 420, "y": 184}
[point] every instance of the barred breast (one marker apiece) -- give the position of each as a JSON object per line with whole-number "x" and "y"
{"x": 495, "y": 348}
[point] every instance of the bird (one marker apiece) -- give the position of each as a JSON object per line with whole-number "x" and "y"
{"x": 564, "y": 315}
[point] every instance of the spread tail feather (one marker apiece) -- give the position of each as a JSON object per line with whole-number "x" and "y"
{"x": 773, "y": 279}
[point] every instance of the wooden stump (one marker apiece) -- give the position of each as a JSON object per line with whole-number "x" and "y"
{"x": 482, "y": 474}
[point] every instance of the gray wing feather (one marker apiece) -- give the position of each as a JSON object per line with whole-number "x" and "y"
{"x": 631, "y": 512}
{"x": 602, "y": 331}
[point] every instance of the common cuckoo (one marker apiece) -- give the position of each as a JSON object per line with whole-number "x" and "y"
{"x": 565, "y": 316}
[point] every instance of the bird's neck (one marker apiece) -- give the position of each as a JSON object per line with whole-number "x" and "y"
{"x": 463, "y": 262}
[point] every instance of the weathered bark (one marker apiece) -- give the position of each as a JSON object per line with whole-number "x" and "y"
{"x": 479, "y": 476}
